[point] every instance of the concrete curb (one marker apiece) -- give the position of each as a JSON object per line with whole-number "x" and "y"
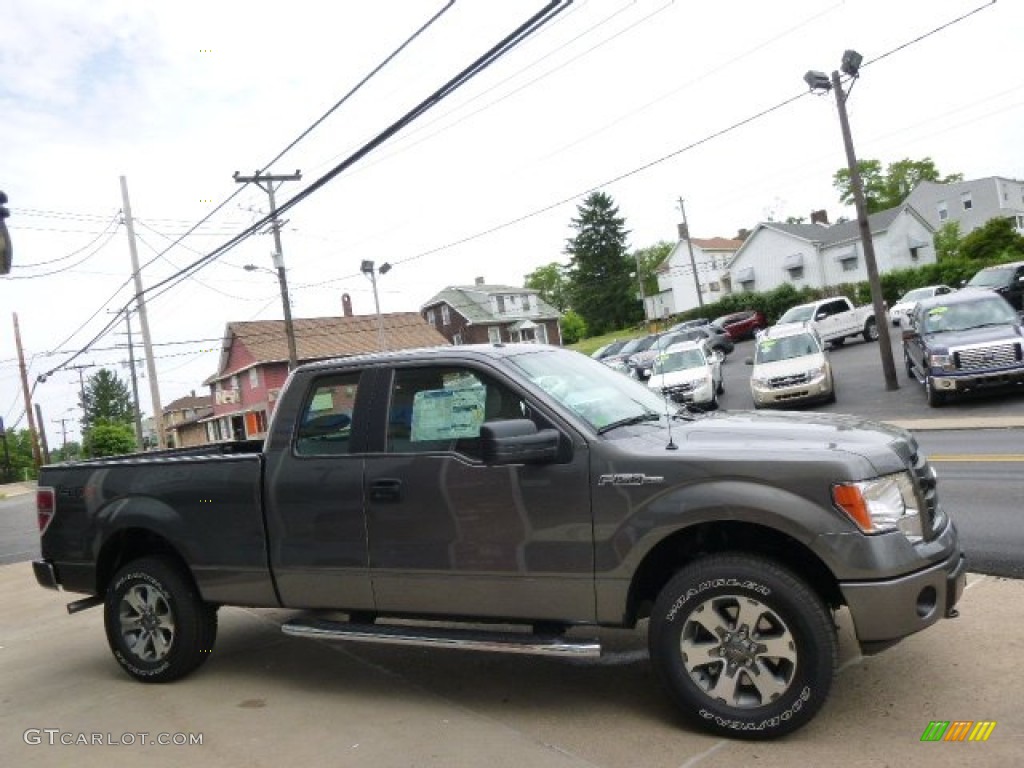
{"x": 958, "y": 422}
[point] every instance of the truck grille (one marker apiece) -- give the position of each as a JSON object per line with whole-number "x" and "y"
{"x": 982, "y": 358}
{"x": 780, "y": 382}
{"x": 924, "y": 480}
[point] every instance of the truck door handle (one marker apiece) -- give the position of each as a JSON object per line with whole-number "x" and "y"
{"x": 387, "y": 489}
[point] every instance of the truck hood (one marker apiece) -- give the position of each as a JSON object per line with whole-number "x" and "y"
{"x": 748, "y": 434}
{"x": 946, "y": 340}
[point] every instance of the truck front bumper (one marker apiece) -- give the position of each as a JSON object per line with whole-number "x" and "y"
{"x": 884, "y": 612}
{"x": 970, "y": 382}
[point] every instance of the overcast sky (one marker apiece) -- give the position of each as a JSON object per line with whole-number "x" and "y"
{"x": 178, "y": 96}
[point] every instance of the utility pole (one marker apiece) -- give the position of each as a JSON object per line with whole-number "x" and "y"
{"x": 640, "y": 281}
{"x": 63, "y": 435}
{"x": 266, "y": 183}
{"x": 135, "y": 383}
{"x": 28, "y": 395}
{"x": 884, "y": 342}
{"x": 42, "y": 433}
{"x": 140, "y": 303}
{"x": 693, "y": 262}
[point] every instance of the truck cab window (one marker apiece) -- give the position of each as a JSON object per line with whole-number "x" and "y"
{"x": 441, "y": 409}
{"x": 326, "y": 423}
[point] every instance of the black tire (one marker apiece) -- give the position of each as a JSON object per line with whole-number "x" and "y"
{"x": 721, "y": 387}
{"x": 936, "y": 399}
{"x": 158, "y": 627}
{"x": 870, "y": 330}
{"x": 831, "y": 395}
{"x": 909, "y": 366}
{"x": 836, "y": 343}
{"x": 732, "y": 610}
{"x": 713, "y": 405}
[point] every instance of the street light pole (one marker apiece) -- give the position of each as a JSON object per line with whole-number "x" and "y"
{"x": 368, "y": 269}
{"x": 818, "y": 80}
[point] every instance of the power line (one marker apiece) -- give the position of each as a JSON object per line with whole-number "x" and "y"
{"x": 88, "y": 256}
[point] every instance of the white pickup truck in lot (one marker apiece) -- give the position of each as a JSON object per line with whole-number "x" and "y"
{"x": 835, "y": 319}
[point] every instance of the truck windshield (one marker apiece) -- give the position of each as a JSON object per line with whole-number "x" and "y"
{"x": 974, "y": 314}
{"x": 797, "y": 315}
{"x": 987, "y": 278}
{"x": 595, "y": 392}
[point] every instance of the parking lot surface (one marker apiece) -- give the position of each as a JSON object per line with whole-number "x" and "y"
{"x": 264, "y": 699}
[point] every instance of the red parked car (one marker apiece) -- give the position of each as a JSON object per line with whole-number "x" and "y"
{"x": 741, "y": 325}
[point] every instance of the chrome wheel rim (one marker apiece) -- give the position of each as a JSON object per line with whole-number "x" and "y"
{"x": 146, "y": 621}
{"x": 738, "y": 651}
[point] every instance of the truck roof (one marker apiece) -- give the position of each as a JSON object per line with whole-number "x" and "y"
{"x": 448, "y": 352}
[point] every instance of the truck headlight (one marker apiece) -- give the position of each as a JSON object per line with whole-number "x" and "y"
{"x": 945, "y": 362}
{"x": 884, "y": 504}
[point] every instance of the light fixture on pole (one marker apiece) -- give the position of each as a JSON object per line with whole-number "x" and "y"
{"x": 367, "y": 268}
{"x": 819, "y": 81}
{"x": 282, "y": 280}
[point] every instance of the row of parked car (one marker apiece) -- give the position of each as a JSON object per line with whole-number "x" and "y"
{"x": 953, "y": 342}
{"x": 684, "y": 363}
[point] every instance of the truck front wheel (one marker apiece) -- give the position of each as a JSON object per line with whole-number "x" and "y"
{"x": 743, "y": 646}
{"x": 870, "y": 330}
{"x": 158, "y": 627}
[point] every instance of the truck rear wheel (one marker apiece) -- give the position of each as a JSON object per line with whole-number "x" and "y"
{"x": 158, "y": 627}
{"x": 743, "y": 646}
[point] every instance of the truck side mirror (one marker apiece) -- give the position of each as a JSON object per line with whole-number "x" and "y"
{"x": 517, "y": 441}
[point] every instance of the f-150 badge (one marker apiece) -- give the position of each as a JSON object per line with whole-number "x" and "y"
{"x": 632, "y": 478}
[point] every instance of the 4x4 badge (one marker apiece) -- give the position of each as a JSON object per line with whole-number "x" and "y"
{"x": 633, "y": 478}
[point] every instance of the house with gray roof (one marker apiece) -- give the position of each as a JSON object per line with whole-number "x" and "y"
{"x": 819, "y": 255}
{"x": 677, "y": 289}
{"x": 970, "y": 203}
{"x": 482, "y": 313}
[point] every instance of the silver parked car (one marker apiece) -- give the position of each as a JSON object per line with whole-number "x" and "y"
{"x": 689, "y": 372}
{"x": 790, "y": 367}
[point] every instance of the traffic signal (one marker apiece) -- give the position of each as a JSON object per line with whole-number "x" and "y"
{"x": 5, "y": 238}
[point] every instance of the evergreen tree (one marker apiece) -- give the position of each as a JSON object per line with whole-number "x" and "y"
{"x": 602, "y": 276}
{"x": 107, "y": 400}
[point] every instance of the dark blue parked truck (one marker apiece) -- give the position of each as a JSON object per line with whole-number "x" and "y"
{"x": 528, "y": 487}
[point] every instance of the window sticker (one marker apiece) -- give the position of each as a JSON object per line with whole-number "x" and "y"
{"x": 937, "y": 311}
{"x": 447, "y": 414}
{"x": 323, "y": 400}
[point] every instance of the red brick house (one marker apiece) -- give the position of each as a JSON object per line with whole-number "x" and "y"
{"x": 184, "y": 424}
{"x": 254, "y": 362}
{"x": 481, "y": 314}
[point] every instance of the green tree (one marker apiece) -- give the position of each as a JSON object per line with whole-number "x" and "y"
{"x": 109, "y": 439}
{"x": 996, "y": 240}
{"x": 947, "y": 241}
{"x": 888, "y": 189}
{"x": 573, "y": 327}
{"x": 601, "y": 273}
{"x": 106, "y": 399}
{"x": 550, "y": 280}
{"x": 19, "y": 449}
{"x": 69, "y": 452}
{"x": 648, "y": 260}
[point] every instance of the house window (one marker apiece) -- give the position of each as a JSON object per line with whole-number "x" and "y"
{"x": 796, "y": 273}
{"x": 1020, "y": 222}
{"x": 714, "y": 287}
{"x": 747, "y": 286}
{"x": 446, "y": 317}
{"x": 914, "y": 253}
{"x": 494, "y": 334}
{"x": 457, "y": 339}
{"x": 501, "y": 304}
{"x": 965, "y": 200}
{"x": 848, "y": 265}
{"x": 431, "y": 317}
{"x": 525, "y": 298}
{"x": 943, "y": 211}
{"x": 234, "y": 382}
{"x": 254, "y": 378}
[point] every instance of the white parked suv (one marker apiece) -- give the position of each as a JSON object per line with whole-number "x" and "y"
{"x": 790, "y": 367}
{"x": 689, "y": 372}
{"x": 902, "y": 309}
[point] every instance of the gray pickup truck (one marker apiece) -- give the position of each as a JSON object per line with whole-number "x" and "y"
{"x": 504, "y": 498}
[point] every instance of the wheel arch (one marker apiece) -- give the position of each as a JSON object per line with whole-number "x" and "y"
{"x": 128, "y": 544}
{"x": 688, "y": 544}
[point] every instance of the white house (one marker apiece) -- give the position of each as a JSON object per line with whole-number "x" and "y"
{"x": 971, "y": 203}
{"x": 676, "y": 286}
{"x": 818, "y": 255}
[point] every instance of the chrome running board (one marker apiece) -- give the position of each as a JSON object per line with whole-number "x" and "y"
{"x": 444, "y": 637}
